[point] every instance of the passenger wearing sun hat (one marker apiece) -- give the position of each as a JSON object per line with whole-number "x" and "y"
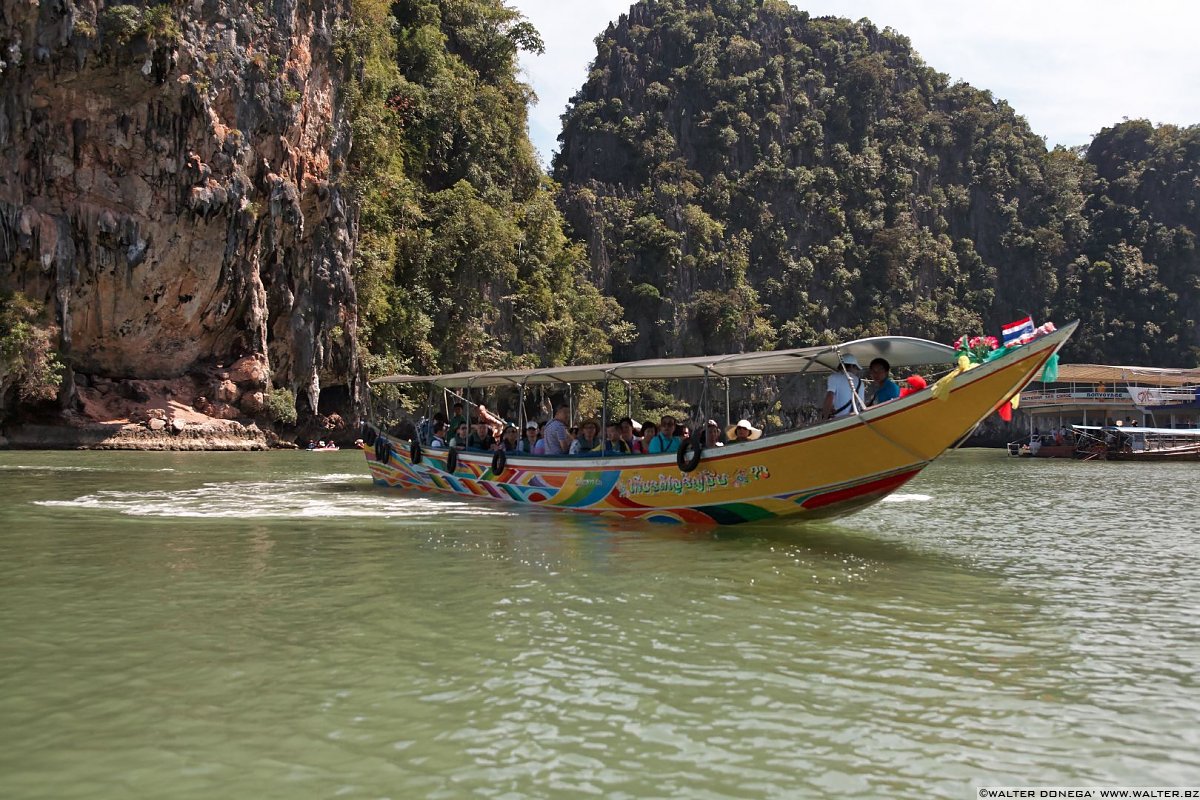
{"x": 742, "y": 432}
{"x": 843, "y": 385}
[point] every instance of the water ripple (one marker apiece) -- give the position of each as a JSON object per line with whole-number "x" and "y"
{"x": 303, "y": 634}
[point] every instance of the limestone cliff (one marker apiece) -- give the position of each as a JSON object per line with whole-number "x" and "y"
{"x": 746, "y": 175}
{"x": 169, "y": 186}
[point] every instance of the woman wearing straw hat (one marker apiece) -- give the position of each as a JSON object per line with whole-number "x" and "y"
{"x": 742, "y": 432}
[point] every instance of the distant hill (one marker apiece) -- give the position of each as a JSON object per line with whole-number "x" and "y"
{"x": 745, "y": 175}
{"x": 346, "y": 188}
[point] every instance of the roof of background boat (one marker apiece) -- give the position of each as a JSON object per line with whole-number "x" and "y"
{"x": 1186, "y": 432}
{"x": 1102, "y": 373}
{"x": 900, "y": 351}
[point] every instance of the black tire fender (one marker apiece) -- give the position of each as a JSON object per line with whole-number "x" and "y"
{"x": 682, "y": 460}
{"x": 414, "y": 452}
{"x": 383, "y": 449}
{"x": 499, "y": 462}
{"x": 452, "y": 460}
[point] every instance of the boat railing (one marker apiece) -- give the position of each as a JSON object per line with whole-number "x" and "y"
{"x": 1083, "y": 394}
{"x": 1167, "y": 396}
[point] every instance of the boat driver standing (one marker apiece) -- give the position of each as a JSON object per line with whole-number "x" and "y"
{"x": 841, "y": 388}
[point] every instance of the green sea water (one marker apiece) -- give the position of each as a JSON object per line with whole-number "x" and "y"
{"x": 274, "y": 626}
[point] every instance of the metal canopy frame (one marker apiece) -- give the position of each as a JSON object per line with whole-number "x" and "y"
{"x": 900, "y": 351}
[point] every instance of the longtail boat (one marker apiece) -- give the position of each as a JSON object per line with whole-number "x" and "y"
{"x": 827, "y": 470}
{"x": 1117, "y": 443}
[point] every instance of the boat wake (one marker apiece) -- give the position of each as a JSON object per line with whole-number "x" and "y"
{"x": 315, "y": 497}
{"x": 62, "y": 468}
{"x": 907, "y": 498}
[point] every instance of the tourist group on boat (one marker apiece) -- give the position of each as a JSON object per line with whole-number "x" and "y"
{"x": 847, "y": 393}
{"x": 568, "y": 438}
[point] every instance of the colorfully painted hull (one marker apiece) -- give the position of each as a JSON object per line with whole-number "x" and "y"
{"x": 825, "y": 471}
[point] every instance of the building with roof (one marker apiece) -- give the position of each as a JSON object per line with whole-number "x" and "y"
{"x": 1098, "y": 394}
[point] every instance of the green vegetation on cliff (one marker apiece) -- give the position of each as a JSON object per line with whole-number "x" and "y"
{"x": 462, "y": 261}
{"x": 1136, "y": 280}
{"x": 746, "y": 175}
{"x": 30, "y": 370}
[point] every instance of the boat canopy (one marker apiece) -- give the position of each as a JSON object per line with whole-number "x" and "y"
{"x": 1185, "y": 432}
{"x": 1101, "y": 373}
{"x": 900, "y": 351}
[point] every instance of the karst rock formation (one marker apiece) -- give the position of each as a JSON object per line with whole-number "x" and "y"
{"x": 169, "y": 187}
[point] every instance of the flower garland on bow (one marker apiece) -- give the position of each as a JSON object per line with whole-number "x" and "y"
{"x": 971, "y": 352}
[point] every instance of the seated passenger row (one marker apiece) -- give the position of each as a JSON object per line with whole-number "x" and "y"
{"x": 846, "y": 394}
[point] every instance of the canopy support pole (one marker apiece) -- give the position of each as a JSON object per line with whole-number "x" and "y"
{"x": 728, "y": 410}
{"x": 604, "y": 413}
{"x": 428, "y": 428}
{"x": 467, "y": 400}
{"x": 521, "y": 412}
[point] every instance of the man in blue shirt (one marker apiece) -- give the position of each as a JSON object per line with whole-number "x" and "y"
{"x": 882, "y": 386}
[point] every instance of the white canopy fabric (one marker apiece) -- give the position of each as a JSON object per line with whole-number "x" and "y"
{"x": 900, "y": 351}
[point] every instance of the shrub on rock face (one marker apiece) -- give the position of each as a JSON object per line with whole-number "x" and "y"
{"x": 281, "y": 406}
{"x": 121, "y": 23}
{"x": 159, "y": 24}
{"x": 28, "y": 362}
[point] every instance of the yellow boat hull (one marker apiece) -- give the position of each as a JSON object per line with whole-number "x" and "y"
{"x": 824, "y": 471}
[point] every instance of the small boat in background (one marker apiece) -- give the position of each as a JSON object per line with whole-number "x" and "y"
{"x": 1121, "y": 443}
{"x": 1044, "y": 446}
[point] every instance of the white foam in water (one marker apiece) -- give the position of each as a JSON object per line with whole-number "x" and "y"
{"x": 907, "y": 498}
{"x": 57, "y": 468}
{"x": 48, "y": 468}
{"x": 287, "y": 498}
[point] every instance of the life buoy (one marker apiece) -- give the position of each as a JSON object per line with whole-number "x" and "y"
{"x": 684, "y": 463}
{"x": 499, "y": 461}
{"x": 452, "y": 460}
{"x": 383, "y": 449}
{"x": 414, "y": 452}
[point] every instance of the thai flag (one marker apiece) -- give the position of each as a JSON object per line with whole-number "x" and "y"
{"x": 1017, "y": 332}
